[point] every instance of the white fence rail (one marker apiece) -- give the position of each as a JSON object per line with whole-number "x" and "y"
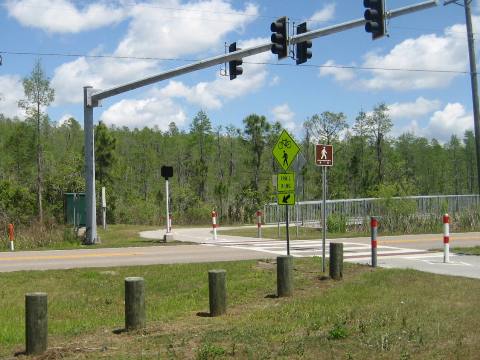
{"x": 310, "y": 211}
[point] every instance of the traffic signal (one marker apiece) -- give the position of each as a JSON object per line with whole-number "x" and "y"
{"x": 303, "y": 48}
{"x": 166, "y": 171}
{"x": 234, "y": 66}
{"x": 375, "y": 16}
{"x": 280, "y": 37}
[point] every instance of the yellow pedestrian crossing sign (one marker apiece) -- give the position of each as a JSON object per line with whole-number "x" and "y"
{"x": 286, "y": 198}
{"x": 285, "y": 150}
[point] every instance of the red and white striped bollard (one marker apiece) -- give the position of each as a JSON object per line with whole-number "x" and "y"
{"x": 11, "y": 236}
{"x": 259, "y": 224}
{"x": 374, "y": 226}
{"x": 446, "y": 238}
{"x": 214, "y": 224}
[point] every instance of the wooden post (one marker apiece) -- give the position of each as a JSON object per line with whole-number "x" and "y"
{"x": 36, "y": 323}
{"x": 336, "y": 261}
{"x": 134, "y": 303}
{"x": 284, "y": 276}
{"x": 217, "y": 291}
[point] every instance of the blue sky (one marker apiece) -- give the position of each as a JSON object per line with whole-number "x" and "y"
{"x": 428, "y": 103}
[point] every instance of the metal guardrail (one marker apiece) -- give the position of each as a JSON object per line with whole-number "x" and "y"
{"x": 306, "y": 212}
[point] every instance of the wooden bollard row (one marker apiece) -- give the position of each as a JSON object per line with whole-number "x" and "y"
{"x": 36, "y": 319}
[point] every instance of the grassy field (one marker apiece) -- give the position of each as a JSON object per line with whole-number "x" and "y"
{"x": 371, "y": 314}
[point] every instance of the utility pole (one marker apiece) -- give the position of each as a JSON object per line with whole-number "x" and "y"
{"x": 473, "y": 78}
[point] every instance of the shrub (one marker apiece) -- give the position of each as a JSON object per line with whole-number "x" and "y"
{"x": 337, "y": 223}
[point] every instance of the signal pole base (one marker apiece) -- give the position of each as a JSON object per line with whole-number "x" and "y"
{"x": 168, "y": 237}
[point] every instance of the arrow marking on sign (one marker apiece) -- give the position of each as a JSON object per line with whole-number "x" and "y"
{"x": 285, "y": 198}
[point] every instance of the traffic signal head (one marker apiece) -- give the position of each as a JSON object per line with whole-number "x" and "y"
{"x": 234, "y": 66}
{"x": 375, "y": 16}
{"x": 166, "y": 172}
{"x": 303, "y": 48}
{"x": 280, "y": 37}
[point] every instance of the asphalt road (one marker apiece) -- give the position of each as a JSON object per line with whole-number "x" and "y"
{"x": 410, "y": 251}
{"x": 83, "y": 258}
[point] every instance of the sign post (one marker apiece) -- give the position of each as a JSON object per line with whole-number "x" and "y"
{"x": 324, "y": 158}
{"x": 286, "y": 196}
{"x": 285, "y": 151}
{"x": 167, "y": 172}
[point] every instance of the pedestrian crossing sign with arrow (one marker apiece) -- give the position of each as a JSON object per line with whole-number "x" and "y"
{"x": 286, "y": 198}
{"x": 285, "y": 150}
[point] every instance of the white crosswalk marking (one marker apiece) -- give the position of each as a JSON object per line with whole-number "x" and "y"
{"x": 309, "y": 248}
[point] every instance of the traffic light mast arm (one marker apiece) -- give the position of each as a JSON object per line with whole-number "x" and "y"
{"x": 360, "y": 22}
{"x": 220, "y": 59}
{"x": 203, "y": 64}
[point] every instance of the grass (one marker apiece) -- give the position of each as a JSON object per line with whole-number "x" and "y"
{"x": 380, "y": 314}
{"x": 474, "y": 250}
{"x": 304, "y": 233}
{"x": 64, "y": 238}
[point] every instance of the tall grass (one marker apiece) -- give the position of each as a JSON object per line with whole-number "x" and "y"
{"x": 36, "y": 236}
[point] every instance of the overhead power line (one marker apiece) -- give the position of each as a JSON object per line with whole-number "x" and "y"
{"x": 353, "y": 67}
{"x": 336, "y": 66}
{"x": 60, "y": 54}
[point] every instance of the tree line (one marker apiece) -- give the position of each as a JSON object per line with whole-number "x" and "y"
{"x": 223, "y": 167}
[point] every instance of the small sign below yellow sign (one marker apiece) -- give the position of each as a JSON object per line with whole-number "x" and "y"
{"x": 286, "y": 188}
{"x": 285, "y": 150}
{"x": 286, "y": 198}
{"x": 286, "y": 182}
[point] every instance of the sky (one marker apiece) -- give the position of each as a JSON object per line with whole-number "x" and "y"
{"x": 420, "y": 70}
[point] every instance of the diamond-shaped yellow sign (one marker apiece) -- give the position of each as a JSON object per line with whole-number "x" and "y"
{"x": 285, "y": 150}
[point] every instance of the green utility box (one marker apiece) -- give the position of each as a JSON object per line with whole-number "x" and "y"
{"x": 74, "y": 209}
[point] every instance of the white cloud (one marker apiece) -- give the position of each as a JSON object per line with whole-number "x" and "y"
{"x": 180, "y": 29}
{"x": 141, "y": 113}
{"x": 199, "y": 94}
{"x": 427, "y": 52}
{"x": 452, "y": 119}
{"x": 285, "y": 116}
{"x": 70, "y": 78}
{"x": 413, "y": 110}
{"x": 339, "y": 73}
{"x": 212, "y": 95}
{"x": 62, "y": 16}
{"x": 11, "y": 91}
{"x": 64, "y": 119}
{"x": 275, "y": 80}
{"x": 323, "y": 15}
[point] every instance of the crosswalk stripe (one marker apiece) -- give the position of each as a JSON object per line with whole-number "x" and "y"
{"x": 305, "y": 248}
